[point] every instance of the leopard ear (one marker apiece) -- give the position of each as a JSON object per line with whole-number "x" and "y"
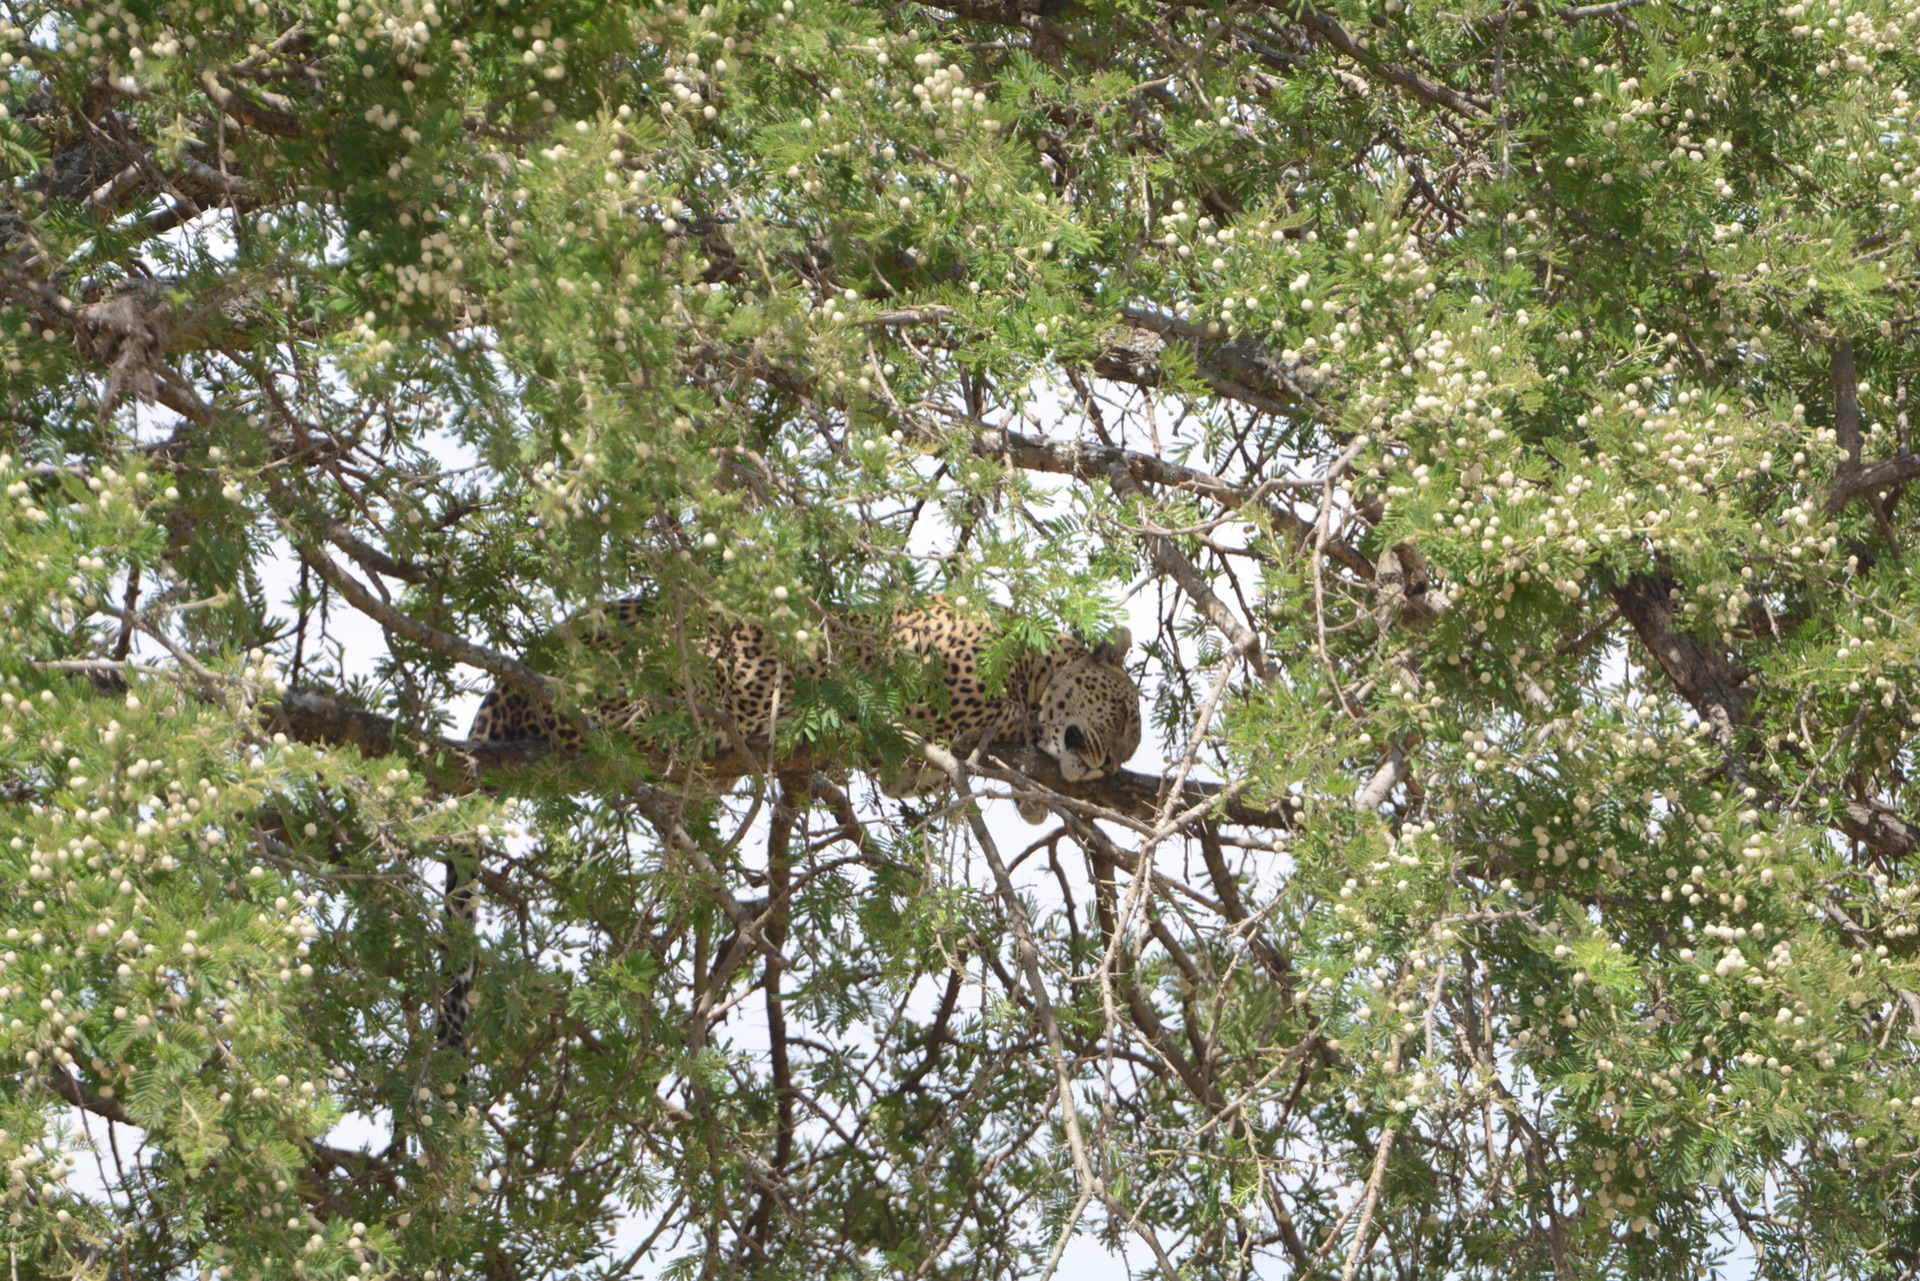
{"x": 1113, "y": 650}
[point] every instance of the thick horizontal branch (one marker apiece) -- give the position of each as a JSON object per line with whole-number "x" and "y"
{"x": 75, "y": 1093}
{"x": 1240, "y": 369}
{"x": 309, "y": 716}
{"x": 902, "y": 319}
{"x": 1613, "y": 9}
{"x": 133, "y": 332}
{"x": 1093, "y": 461}
{"x": 1880, "y": 829}
{"x": 1855, "y": 481}
{"x": 198, "y": 181}
{"x": 214, "y": 181}
{"x": 457, "y": 765}
{"x": 1137, "y": 796}
{"x": 1237, "y": 369}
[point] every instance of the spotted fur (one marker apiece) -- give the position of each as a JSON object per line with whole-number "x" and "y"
{"x": 1074, "y": 702}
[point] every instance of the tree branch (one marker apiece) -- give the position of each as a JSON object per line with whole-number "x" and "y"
{"x": 1171, "y": 559}
{"x": 1039, "y": 18}
{"x": 1029, "y": 954}
{"x": 1392, "y": 772}
{"x": 310, "y": 716}
{"x": 1611, "y": 9}
{"x": 1712, "y": 687}
{"x": 249, "y": 111}
{"x": 1706, "y": 680}
{"x": 446, "y": 644}
{"x": 1014, "y": 13}
{"x": 1089, "y": 460}
{"x": 373, "y": 558}
{"x": 357, "y": 1165}
{"x": 76, "y": 1094}
{"x": 1851, "y": 484}
{"x": 1244, "y": 364}
{"x": 1420, "y": 86}
{"x": 1362, "y": 1232}
{"x": 1846, "y": 421}
{"x": 1850, "y": 479}
{"x": 1879, "y": 829}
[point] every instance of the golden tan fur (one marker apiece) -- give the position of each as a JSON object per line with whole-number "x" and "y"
{"x": 1075, "y": 703}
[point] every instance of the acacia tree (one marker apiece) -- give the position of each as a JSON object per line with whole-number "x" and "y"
{"x": 1501, "y": 411}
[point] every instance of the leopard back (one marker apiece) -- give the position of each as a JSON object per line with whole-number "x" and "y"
{"x": 1074, "y": 702}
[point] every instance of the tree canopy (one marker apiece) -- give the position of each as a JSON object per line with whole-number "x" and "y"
{"x": 1495, "y": 419}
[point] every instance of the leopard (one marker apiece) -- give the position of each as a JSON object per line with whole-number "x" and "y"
{"x": 1071, "y": 700}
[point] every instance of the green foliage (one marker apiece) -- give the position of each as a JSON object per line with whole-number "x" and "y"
{"x": 1499, "y": 424}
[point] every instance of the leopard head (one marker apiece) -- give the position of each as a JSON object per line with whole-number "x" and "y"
{"x": 1089, "y": 712}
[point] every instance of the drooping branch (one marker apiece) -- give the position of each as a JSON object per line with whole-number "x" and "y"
{"x": 1171, "y": 559}
{"x": 1043, "y": 18}
{"x": 1036, "y": 17}
{"x": 446, "y": 644}
{"x": 360, "y": 1166}
{"x": 1133, "y": 359}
